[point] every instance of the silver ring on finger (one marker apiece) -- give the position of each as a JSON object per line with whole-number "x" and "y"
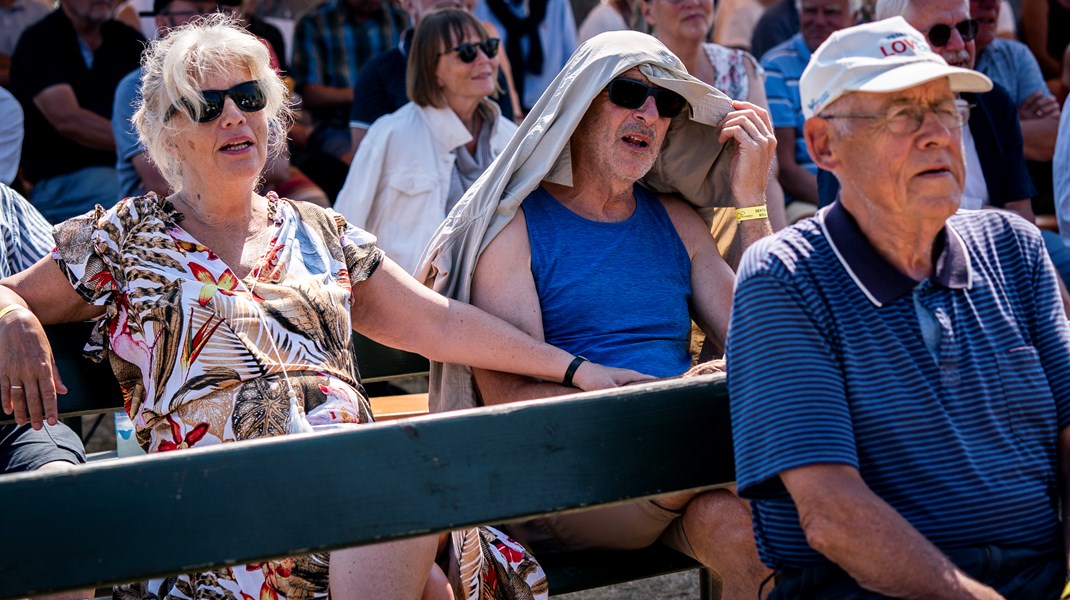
{"x": 16, "y": 387}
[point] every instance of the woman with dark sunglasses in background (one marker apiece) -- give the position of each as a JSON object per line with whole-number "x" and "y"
{"x": 415, "y": 164}
{"x": 227, "y": 316}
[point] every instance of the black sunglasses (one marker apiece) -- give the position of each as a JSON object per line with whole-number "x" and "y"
{"x": 467, "y": 52}
{"x": 940, "y": 34}
{"x": 248, "y": 97}
{"x": 629, "y": 93}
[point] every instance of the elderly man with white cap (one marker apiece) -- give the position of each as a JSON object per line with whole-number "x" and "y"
{"x": 900, "y": 371}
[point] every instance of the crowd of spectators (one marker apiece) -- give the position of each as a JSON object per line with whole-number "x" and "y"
{"x": 345, "y": 62}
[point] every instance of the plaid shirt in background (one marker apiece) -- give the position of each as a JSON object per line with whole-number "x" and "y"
{"x": 330, "y": 49}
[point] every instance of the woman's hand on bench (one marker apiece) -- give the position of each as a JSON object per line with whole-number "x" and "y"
{"x": 29, "y": 380}
{"x": 591, "y": 376}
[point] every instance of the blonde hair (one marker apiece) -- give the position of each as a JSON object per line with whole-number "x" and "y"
{"x": 172, "y": 68}
{"x": 437, "y": 33}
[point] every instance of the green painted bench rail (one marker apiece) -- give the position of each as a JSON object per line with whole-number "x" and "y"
{"x": 238, "y": 503}
{"x": 377, "y": 362}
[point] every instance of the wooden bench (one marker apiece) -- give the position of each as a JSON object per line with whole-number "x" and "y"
{"x": 472, "y": 467}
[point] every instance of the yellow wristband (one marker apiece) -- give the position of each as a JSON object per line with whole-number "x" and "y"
{"x": 10, "y": 308}
{"x": 751, "y": 212}
{"x": 1066, "y": 591}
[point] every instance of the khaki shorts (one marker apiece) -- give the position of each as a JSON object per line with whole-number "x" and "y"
{"x": 618, "y": 527}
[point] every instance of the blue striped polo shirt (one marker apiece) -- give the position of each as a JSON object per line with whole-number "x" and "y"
{"x": 784, "y": 65}
{"x": 828, "y": 363}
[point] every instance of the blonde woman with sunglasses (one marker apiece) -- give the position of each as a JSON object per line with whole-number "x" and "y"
{"x": 415, "y": 164}
{"x": 226, "y": 316}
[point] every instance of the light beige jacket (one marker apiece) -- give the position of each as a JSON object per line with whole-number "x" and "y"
{"x": 692, "y": 163}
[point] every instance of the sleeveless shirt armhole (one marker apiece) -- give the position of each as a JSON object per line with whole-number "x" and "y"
{"x": 759, "y": 71}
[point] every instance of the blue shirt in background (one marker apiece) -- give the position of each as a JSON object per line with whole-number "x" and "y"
{"x": 783, "y": 65}
{"x": 1012, "y": 65}
{"x": 127, "y": 146}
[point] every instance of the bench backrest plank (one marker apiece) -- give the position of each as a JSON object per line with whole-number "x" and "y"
{"x": 377, "y": 362}
{"x": 93, "y": 389}
{"x": 237, "y": 503}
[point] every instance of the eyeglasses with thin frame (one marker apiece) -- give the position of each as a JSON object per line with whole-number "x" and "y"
{"x": 629, "y": 93}
{"x": 248, "y": 97}
{"x": 467, "y": 51}
{"x": 940, "y": 34}
{"x": 907, "y": 119}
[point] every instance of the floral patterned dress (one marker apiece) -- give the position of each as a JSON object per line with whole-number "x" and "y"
{"x": 730, "y": 70}
{"x": 204, "y": 357}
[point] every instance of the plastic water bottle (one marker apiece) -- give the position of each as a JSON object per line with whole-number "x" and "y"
{"x": 125, "y": 438}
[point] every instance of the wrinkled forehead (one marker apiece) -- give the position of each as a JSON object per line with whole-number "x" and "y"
{"x": 814, "y": 5}
{"x": 926, "y": 94}
{"x": 238, "y": 71}
{"x": 923, "y": 15}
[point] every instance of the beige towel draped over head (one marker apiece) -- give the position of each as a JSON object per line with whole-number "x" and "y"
{"x": 692, "y": 163}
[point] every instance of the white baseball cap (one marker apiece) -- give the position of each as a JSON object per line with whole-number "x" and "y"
{"x": 883, "y": 56}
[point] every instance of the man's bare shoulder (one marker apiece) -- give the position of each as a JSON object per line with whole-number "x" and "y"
{"x": 505, "y": 260}
{"x": 503, "y": 284}
{"x": 689, "y": 224}
{"x": 510, "y": 244}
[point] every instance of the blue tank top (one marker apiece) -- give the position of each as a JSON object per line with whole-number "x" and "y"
{"x": 617, "y": 293}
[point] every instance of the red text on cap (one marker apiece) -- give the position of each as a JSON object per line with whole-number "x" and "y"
{"x": 900, "y": 46}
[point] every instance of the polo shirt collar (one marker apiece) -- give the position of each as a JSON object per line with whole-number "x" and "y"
{"x": 876, "y": 277}
{"x": 801, "y": 48}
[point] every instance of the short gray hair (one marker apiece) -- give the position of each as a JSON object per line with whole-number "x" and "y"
{"x": 171, "y": 69}
{"x": 887, "y": 9}
{"x": 855, "y": 6}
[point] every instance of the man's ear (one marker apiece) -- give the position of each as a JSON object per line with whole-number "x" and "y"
{"x": 820, "y": 143}
{"x": 644, "y": 6}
